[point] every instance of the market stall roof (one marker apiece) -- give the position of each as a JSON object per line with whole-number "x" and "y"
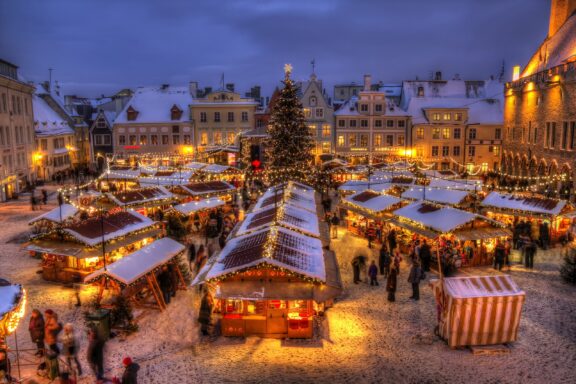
{"x": 372, "y": 201}
{"x": 285, "y": 215}
{"x": 115, "y": 225}
{"x": 204, "y": 188}
{"x": 196, "y": 206}
{"x": 165, "y": 178}
{"x": 530, "y": 204}
{"x": 218, "y": 168}
{"x": 265, "y": 290}
{"x": 482, "y": 233}
{"x": 136, "y": 265}
{"x": 362, "y": 185}
{"x": 140, "y": 196}
{"x": 481, "y": 286}
{"x": 464, "y": 185}
{"x": 12, "y": 297}
{"x": 275, "y": 246}
{"x": 299, "y": 197}
{"x": 440, "y": 219}
{"x": 442, "y": 196}
{"x": 57, "y": 215}
{"x": 122, "y": 173}
{"x": 195, "y": 165}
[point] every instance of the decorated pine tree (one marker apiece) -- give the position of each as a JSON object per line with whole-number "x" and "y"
{"x": 568, "y": 269}
{"x": 290, "y": 144}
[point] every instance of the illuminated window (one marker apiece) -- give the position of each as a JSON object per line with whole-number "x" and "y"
{"x": 458, "y": 116}
{"x": 233, "y": 306}
{"x": 389, "y": 140}
{"x": 378, "y": 140}
{"x": 445, "y": 133}
{"x": 436, "y": 116}
{"x": 217, "y": 138}
{"x": 230, "y": 138}
{"x": 154, "y": 139}
{"x": 420, "y": 133}
{"x": 435, "y": 151}
{"x": 400, "y": 139}
{"x": 143, "y": 140}
{"x": 436, "y": 133}
{"x": 341, "y": 141}
{"x": 312, "y": 129}
{"x": 164, "y": 139}
{"x": 484, "y": 167}
{"x": 326, "y": 130}
{"x": 306, "y": 112}
{"x": 186, "y": 139}
{"x": 363, "y": 140}
{"x": 352, "y": 140}
{"x": 447, "y": 116}
{"x": 204, "y": 138}
{"x": 326, "y": 147}
{"x": 132, "y": 139}
{"x": 419, "y": 152}
{"x": 175, "y": 139}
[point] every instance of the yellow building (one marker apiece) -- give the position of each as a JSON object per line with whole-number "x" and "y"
{"x": 219, "y": 119}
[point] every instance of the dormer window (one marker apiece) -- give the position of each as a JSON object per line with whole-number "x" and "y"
{"x": 313, "y": 101}
{"x": 131, "y": 114}
{"x": 175, "y": 113}
{"x": 420, "y": 91}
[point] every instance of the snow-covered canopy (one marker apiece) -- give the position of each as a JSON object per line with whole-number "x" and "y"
{"x": 195, "y": 165}
{"x": 440, "y": 219}
{"x": 463, "y": 185}
{"x": 140, "y": 196}
{"x": 362, "y": 185}
{"x": 154, "y": 105}
{"x": 292, "y": 194}
{"x": 196, "y": 206}
{"x": 372, "y": 201}
{"x": 481, "y": 286}
{"x": 529, "y": 204}
{"x": 285, "y": 215}
{"x": 122, "y": 172}
{"x": 204, "y": 188}
{"x": 217, "y": 168}
{"x": 136, "y": 265}
{"x": 442, "y": 196}
{"x": 64, "y": 212}
{"x": 9, "y": 298}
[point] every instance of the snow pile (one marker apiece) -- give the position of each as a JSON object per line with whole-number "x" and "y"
{"x": 65, "y": 211}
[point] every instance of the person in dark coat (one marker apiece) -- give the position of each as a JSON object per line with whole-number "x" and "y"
{"x": 392, "y": 240}
{"x": 544, "y": 235}
{"x": 5, "y": 365}
{"x": 358, "y": 263}
{"x": 44, "y": 197}
{"x": 384, "y": 260}
{"x": 391, "y": 283}
{"x": 425, "y": 256}
{"x": 222, "y": 240}
{"x": 414, "y": 278}
{"x": 205, "y": 315}
{"x": 130, "y": 375}
{"x": 191, "y": 254}
{"x": 499, "y": 255}
{"x": 165, "y": 283}
{"x": 36, "y": 329}
{"x": 373, "y": 273}
{"x": 95, "y": 353}
{"x": 531, "y": 249}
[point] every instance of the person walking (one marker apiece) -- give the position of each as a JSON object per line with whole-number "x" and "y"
{"x": 191, "y": 255}
{"x": 36, "y": 329}
{"x": 391, "y": 283}
{"x": 165, "y": 283}
{"x": 335, "y": 222}
{"x": 545, "y": 235}
{"x": 70, "y": 347}
{"x": 414, "y": 278}
{"x": 44, "y": 196}
{"x": 425, "y": 256}
{"x": 531, "y": 250}
{"x": 392, "y": 240}
{"x": 95, "y": 354}
{"x": 373, "y": 273}
{"x": 396, "y": 262}
{"x": 499, "y": 255}
{"x": 356, "y": 269}
{"x": 384, "y": 260}
{"x": 130, "y": 375}
{"x": 205, "y": 315}
{"x": 51, "y": 330}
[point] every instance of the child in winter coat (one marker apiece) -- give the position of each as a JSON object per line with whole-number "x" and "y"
{"x": 373, "y": 273}
{"x": 70, "y": 346}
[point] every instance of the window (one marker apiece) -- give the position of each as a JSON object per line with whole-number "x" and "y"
{"x": 326, "y": 130}
{"x": 352, "y": 123}
{"x": 401, "y": 123}
{"x": 204, "y": 138}
{"x": 341, "y": 123}
{"x": 436, "y": 133}
{"x": 457, "y": 133}
{"x": 553, "y": 136}
{"x": 121, "y": 140}
{"x": 378, "y": 140}
{"x": 107, "y": 139}
{"x": 319, "y": 112}
{"x": 154, "y": 139}
{"x": 419, "y": 152}
{"x": 400, "y": 139}
{"x": 217, "y": 117}
{"x": 143, "y": 140}
{"x": 101, "y": 123}
{"x": 547, "y": 135}
{"x": 186, "y": 139}
{"x": 175, "y": 139}
{"x": 390, "y": 123}
{"x": 230, "y": 138}
{"x": 132, "y": 139}
{"x": 341, "y": 141}
{"x": 4, "y": 104}
{"x": 352, "y": 140}
{"x": 312, "y": 129}
{"x": 420, "y": 133}
{"x": 456, "y": 151}
{"x": 378, "y": 123}
{"x": 203, "y": 117}
{"x": 535, "y": 135}
{"x": 445, "y": 133}
{"x": 378, "y": 107}
{"x": 230, "y": 117}
{"x": 572, "y": 135}
{"x": 326, "y": 147}
{"x": 471, "y": 150}
{"x": 496, "y": 150}
{"x": 175, "y": 129}
{"x": 364, "y": 107}
{"x": 165, "y": 139}
{"x": 445, "y": 151}
{"x": 436, "y": 117}
{"x": 564, "y": 140}
{"x": 98, "y": 139}
{"x": 363, "y": 140}
{"x": 389, "y": 140}
{"x": 498, "y": 133}
{"x": 434, "y": 151}
{"x": 2, "y": 135}
{"x": 472, "y": 134}
{"x": 458, "y": 116}
{"x": 447, "y": 116}
{"x": 312, "y": 101}
{"x": 529, "y": 132}
{"x": 364, "y": 123}
{"x": 217, "y": 138}
{"x": 307, "y": 113}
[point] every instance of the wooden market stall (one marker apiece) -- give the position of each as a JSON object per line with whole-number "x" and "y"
{"x": 291, "y": 193}
{"x": 52, "y": 219}
{"x": 74, "y": 251}
{"x": 509, "y": 208}
{"x": 12, "y": 307}
{"x": 204, "y": 190}
{"x": 219, "y": 172}
{"x": 134, "y": 276}
{"x": 478, "y": 310}
{"x": 119, "y": 178}
{"x": 193, "y": 207}
{"x": 164, "y": 177}
{"x": 144, "y": 200}
{"x": 452, "y": 197}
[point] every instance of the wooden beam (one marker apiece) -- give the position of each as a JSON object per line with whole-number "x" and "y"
{"x": 158, "y": 289}
{"x": 160, "y": 301}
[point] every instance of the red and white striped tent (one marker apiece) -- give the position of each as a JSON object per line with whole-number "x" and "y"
{"x": 478, "y": 310}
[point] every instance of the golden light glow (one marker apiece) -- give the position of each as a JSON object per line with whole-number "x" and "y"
{"x": 530, "y": 86}
{"x": 12, "y": 319}
{"x": 37, "y": 156}
{"x": 187, "y": 150}
{"x": 515, "y": 72}
{"x": 406, "y": 152}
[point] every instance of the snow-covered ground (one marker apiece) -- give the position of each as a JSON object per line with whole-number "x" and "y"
{"x": 363, "y": 338}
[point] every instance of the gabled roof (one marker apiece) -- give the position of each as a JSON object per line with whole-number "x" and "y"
{"x": 372, "y": 201}
{"x": 47, "y": 122}
{"x": 480, "y": 111}
{"x": 285, "y": 215}
{"x": 154, "y": 105}
{"x": 65, "y": 211}
{"x": 440, "y": 219}
{"x": 481, "y": 286}
{"x": 208, "y": 187}
{"x": 442, "y": 196}
{"x": 140, "y": 196}
{"x": 350, "y": 108}
{"x": 533, "y": 204}
{"x": 196, "y": 206}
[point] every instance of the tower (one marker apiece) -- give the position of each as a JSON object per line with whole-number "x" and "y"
{"x": 560, "y": 11}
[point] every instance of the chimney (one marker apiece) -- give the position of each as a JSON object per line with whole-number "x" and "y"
{"x": 367, "y": 82}
{"x": 438, "y": 76}
{"x": 560, "y": 11}
{"x": 193, "y": 88}
{"x": 230, "y": 87}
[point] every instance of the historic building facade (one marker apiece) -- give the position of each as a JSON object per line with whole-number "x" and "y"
{"x": 16, "y": 132}
{"x": 540, "y": 110}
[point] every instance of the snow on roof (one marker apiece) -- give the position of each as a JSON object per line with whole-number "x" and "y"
{"x": 480, "y": 111}
{"x": 9, "y": 298}
{"x": 286, "y": 215}
{"x": 350, "y": 108}
{"x": 481, "y": 286}
{"x": 443, "y": 196}
{"x": 290, "y": 250}
{"x": 372, "y": 200}
{"x": 140, "y": 196}
{"x": 554, "y": 51}
{"x": 154, "y": 105}
{"x": 207, "y": 187}
{"x": 136, "y": 265}
{"x": 440, "y": 219}
{"x": 362, "y": 185}
{"x": 65, "y": 211}
{"x": 292, "y": 195}
{"x": 115, "y": 225}
{"x": 195, "y": 165}
{"x": 464, "y": 185}
{"x": 47, "y": 122}
{"x": 532, "y": 204}
{"x": 167, "y": 178}
{"x": 217, "y": 168}
{"x": 195, "y": 206}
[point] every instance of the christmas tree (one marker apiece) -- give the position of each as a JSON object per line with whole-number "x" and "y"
{"x": 568, "y": 269}
{"x": 290, "y": 144}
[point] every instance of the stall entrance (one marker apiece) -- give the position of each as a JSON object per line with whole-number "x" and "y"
{"x": 276, "y": 321}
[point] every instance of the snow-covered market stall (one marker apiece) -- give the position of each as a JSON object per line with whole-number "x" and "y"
{"x": 452, "y": 197}
{"x": 478, "y": 310}
{"x": 134, "y": 276}
{"x": 143, "y": 200}
{"x": 219, "y": 172}
{"x": 536, "y": 210}
{"x": 72, "y": 252}
{"x": 275, "y": 274}
{"x": 54, "y": 218}
{"x": 197, "y": 206}
{"x": 12, "y": 307}
{"x": 203, "y": 190}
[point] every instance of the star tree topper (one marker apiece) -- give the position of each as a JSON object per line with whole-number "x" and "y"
{"x": 287, "y": 69}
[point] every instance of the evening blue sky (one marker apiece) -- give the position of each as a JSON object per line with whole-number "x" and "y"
{"x": 100, "y": 46}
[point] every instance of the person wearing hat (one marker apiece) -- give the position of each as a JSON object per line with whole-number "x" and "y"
{"x": 130, "y": 375}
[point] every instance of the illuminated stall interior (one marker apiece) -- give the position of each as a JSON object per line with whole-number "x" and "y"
{"x": 54, "y": 218}
{"x": 12, "y": 308}
{"x": 144, "y": 200}
{"x": 203, "y": 190}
